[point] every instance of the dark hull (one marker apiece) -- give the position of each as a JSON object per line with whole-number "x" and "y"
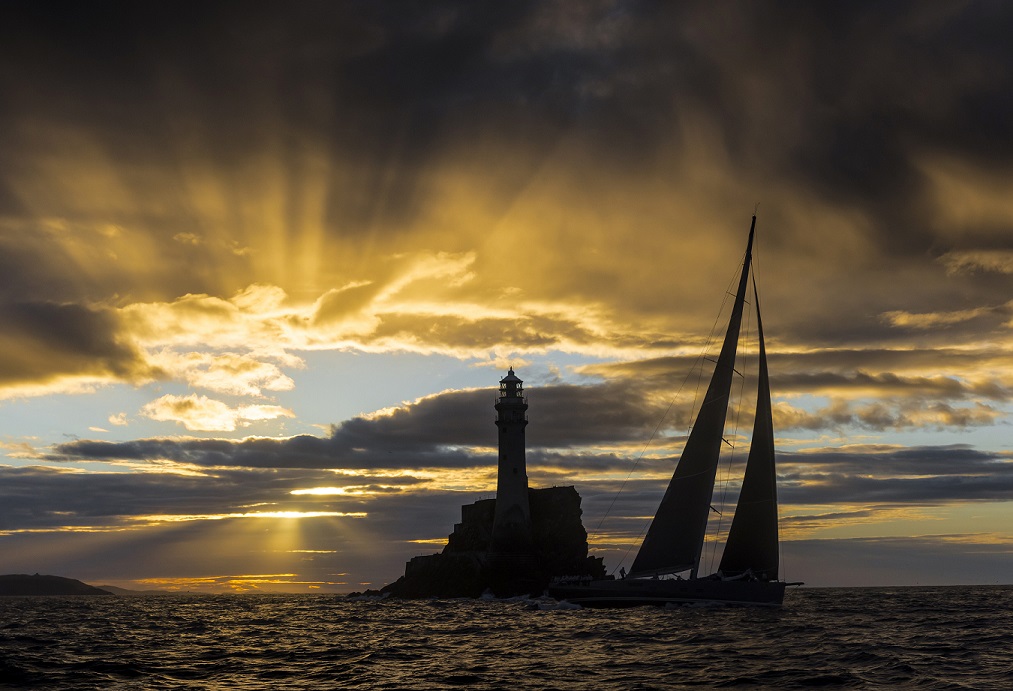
{"x": 635, "y": 592}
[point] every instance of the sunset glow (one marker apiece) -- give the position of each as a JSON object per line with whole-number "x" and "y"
{"x": 262, "y": 270}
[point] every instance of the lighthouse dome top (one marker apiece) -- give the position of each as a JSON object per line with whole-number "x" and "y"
{"x": 510, "y": 377}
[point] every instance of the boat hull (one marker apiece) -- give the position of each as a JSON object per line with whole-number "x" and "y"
{"x": 635, "y": 592}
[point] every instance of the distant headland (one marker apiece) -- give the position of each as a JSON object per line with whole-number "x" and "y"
{"x": 20, "y": 584}
{"x": 23, "y": 584}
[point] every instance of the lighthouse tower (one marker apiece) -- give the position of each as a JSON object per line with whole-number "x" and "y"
{"x": 511, "y": 530}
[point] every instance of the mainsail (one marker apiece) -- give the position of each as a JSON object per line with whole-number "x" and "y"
{"x": 675, "y": 538}
{"x": 674, "y": 541}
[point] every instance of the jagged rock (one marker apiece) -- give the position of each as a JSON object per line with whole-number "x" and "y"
{"x": 466, "y": 568}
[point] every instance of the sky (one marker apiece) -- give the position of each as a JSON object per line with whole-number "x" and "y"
{"x": 262, "y": 265}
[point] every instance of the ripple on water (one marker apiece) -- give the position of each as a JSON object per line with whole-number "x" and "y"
{"x": 926, "y": 637}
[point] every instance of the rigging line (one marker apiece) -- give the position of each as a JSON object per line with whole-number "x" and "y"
{"x": 634, "y": 468}
{"x": 742, "y": 357}
{"x": 744, "y": 337}
{"x": 697, "y": 366}
{"x": 697, "y": 369}
{"x": 709, "y": 343}
{"x": 735, "y": 428}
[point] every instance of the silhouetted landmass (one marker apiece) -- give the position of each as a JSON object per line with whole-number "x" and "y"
{"x": 126, "y": 592}
{"x": 23, "y": 584}
{"x": 465, "y": 567}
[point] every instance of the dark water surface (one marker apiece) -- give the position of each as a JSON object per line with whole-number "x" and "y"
{"x": 933, "y": 638}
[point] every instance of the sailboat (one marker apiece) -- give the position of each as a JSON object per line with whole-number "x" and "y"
{"x": 665, "y": 569}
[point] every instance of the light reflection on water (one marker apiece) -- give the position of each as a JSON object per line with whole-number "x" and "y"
{"x": 929, "y": 637}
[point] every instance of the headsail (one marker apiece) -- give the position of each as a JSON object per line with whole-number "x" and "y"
{"x": 752, "y": 539}
{"x": 675, "y": 538}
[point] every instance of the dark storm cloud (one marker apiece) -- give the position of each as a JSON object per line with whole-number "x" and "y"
{"x": 848, "y": 90}
{"x": 928, "y": 491}
{"x": 40, "y": 497}
{"x": 875, "y": 85}
{"x": 34, "y": 264}
{"x": 389, "y": 83}
{"x": 912, "y": 460}
{"x": 45, "y": 340}
{"x": 876, "y": 373}
{"x": 355, "y": 444}
{"x": 876, "y": 479}
{"x": 432, "y": 432}
{"x": 839, "y": 104}
{"x": 50, "y": 327}
{"x": 924, "y": 475}
{"x": 439, "y": 432}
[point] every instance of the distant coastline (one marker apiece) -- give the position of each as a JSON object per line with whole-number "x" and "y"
{"x": 20, "y": 584}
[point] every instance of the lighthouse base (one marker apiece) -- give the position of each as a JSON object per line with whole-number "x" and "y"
{"x": 469, "y": 566}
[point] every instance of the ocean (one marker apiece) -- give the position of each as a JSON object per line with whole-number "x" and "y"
{"x": 929, "y": 638}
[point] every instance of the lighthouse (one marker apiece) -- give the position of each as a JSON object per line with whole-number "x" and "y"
{"x": 513, "y": 544}
{"x": 511, "y": 530}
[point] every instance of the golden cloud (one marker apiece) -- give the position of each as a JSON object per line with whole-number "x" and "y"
{"x": 968, "y": 261}
{"x": 200, "y": 413}
{"x": 931, "y": 320}
{"x": 229, "y": 373}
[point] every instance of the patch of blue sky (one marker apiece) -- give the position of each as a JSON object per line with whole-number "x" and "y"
{"x": 339, "y": 385}
{"x": 56, "y": 418}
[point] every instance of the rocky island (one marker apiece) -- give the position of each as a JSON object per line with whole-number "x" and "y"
{"x": 513, "y": 544}
{"x": 466, "y": 568}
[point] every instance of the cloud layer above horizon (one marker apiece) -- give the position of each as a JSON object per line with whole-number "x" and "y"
{"x": 199, "y": 203}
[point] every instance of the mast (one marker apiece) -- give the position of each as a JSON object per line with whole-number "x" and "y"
{"x": 751, "y": 545}
{"x": 674, "y": 541}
